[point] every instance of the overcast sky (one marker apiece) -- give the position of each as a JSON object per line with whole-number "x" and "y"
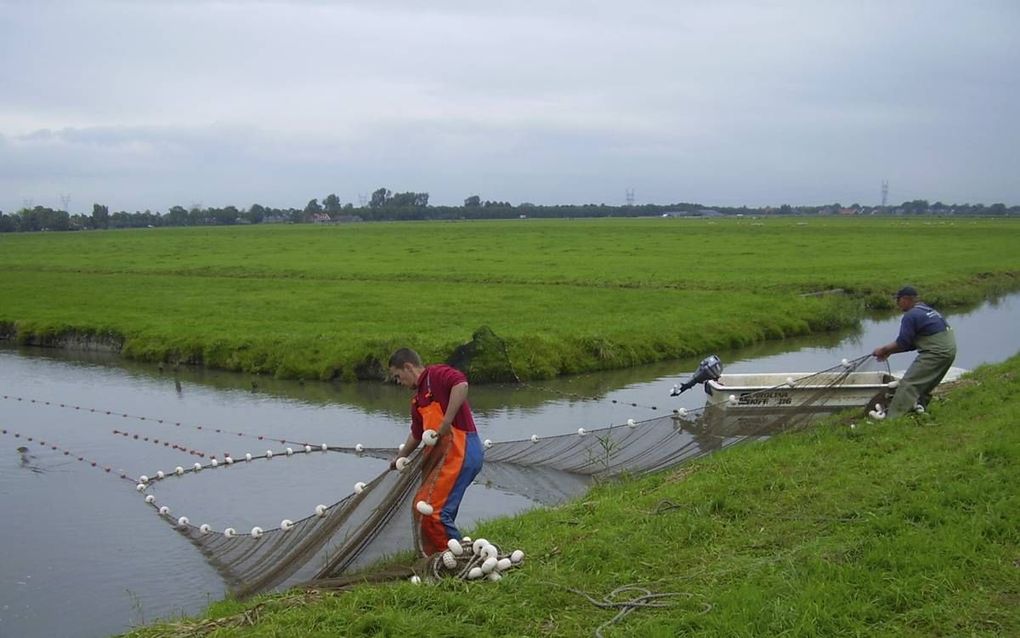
{"x": 148, "y": 104}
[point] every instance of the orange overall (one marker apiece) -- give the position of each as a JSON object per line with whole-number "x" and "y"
{"x": 449, "y": 467}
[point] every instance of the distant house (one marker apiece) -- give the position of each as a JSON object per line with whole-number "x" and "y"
{"x": 709, "y": 212}
{"x": 320, "y": 218}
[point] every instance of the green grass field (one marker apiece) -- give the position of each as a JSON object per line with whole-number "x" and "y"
{"x": 562, "y": 295}
{"x": 903, "y": 528}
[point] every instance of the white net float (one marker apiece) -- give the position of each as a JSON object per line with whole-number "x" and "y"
{"x": 401, "y": 463}
{"x": 150, "y": 499}
{"x": 359, "y": 487}
{"x": 455, "y": 547}
{"x": 516, "y": 556}
{"x": 423, "y": 508}
{"x": 359, "y": 448}
{"x": 487, "y": 443}
{"x": 204, "y": 528}
{"x": 230, "y": 532}
{"x": 449, "y": 560}
{"x": 429, "y": 437}
{"x": 286, "y": 524}
{"x": 256, "y": 532}
{"x": 183, "y": 521}
{"x": 320, "y": 510}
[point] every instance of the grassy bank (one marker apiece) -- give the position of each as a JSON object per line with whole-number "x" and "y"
{"x": 905, "y": 528}
{"x": 560, "y": 296}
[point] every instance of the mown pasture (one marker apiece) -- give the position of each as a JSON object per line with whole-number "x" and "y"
{"x": 561, "y": 295}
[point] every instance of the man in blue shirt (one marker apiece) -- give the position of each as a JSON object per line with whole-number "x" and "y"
{"x": 923, "y": 329}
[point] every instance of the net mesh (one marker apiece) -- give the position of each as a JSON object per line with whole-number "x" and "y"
{"x": 327, "y": 549}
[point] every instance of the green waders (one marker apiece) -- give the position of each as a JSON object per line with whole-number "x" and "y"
{"x": 935, "y": 355}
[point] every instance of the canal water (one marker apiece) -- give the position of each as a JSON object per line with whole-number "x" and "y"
{"x": 84, "y": 556}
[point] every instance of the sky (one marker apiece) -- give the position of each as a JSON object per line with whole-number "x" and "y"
{"x": 143, "y": 104}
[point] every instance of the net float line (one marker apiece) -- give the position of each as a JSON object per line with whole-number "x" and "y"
{"x": 108, "y": 469}
{"x": 164, "y": 443}
{"x": 149, "y": 419}
{"x": 583, "y": 397}
{"x": 184, "y": 525}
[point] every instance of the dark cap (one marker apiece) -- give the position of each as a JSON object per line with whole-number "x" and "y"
{"x": 906, "y": 291}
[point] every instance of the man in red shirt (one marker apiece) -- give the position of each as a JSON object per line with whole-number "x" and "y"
{"x": 439, "y": 404}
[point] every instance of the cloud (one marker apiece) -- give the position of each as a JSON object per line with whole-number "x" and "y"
{"x": 158, "y": 103}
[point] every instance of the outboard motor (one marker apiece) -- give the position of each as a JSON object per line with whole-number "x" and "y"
{"x": 709, "y": 369}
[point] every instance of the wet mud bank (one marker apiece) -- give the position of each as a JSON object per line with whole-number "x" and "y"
{"x": 72, "y": 340}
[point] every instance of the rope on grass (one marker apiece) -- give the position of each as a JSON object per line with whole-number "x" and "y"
{"x": 644, "y": 598}
{"x": 666, "y": 505}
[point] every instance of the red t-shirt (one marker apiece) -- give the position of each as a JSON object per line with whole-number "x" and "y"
{"x": 435, "y": 384}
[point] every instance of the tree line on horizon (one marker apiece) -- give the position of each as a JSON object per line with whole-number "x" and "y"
{"x": 386, "y": 205}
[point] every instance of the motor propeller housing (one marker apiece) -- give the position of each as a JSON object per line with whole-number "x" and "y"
{"x": 709, "y": 369}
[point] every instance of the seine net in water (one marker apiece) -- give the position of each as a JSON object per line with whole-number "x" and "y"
{"x": 324, "y": 549}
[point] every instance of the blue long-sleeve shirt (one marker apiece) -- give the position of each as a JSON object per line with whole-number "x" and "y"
{"x": 921, "y": 320}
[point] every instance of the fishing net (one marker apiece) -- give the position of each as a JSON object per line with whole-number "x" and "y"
{"x": 328, "y": 548}
{"x": 341, "y": 544}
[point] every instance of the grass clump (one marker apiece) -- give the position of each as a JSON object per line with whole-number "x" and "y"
{"x": 905, "y": 528}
